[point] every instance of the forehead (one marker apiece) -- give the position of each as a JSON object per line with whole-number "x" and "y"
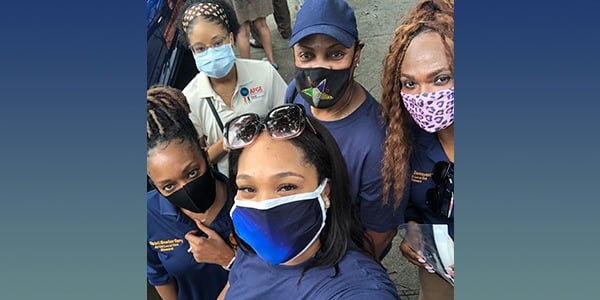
{"x": 203, "y": 30}
{"x": 425, "y": 51}
{"x": 318, "y": 40}
{"x": 266, "y": 156}
{"x": 169, "y": 156}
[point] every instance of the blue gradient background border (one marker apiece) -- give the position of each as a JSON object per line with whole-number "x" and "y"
{"x": 72, "y": 215}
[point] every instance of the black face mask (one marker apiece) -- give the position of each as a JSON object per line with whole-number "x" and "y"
{"x": 197, "y": 195}
{"x": 320, "y": 87}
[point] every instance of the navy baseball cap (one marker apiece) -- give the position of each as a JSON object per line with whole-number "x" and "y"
{"x": 334, "y": 18}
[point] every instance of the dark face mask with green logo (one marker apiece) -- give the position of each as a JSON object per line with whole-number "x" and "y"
{"x": 320, "y": 87}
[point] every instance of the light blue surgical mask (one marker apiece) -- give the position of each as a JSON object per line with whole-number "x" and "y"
{"x": 216, "y": 62}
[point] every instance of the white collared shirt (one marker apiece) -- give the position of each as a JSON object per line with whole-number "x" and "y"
{"x": 259, "y": 89}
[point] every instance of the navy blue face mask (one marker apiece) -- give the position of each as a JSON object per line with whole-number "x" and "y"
{"x": 280, "y": 230}
{"x": 197, "y": 195}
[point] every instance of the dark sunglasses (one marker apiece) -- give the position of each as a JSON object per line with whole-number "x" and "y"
{"x": 440, "y": 198}
{"x": 282, "y": 122}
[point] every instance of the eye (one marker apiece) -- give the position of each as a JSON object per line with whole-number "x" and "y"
{"x": 245, "y": 192}
{"x": 408, "y": 84}
{"x": 337, "y": 54}
{"x": 193, "y": 173}
{"x": 305, "y": 56}
{"x": 218, "y": 42}
{"x": 199, "y": 49}
{"x": 441, "y": 80}
{"x": 168, "y": 188}
{"x": 287, "y": 187}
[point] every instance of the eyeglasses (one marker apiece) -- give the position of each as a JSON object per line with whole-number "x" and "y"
{"x": 217, "y": 41}
{"x": 440, "y": 198}
{"x": 282, "y": 122}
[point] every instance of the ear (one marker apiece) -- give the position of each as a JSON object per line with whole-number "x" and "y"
{"x": 232, "y": 39}
{"x": 325, "y": 194}
{"x": 359, "y": 46}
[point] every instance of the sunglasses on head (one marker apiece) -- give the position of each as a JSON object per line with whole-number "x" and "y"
{"x": 440, "y": 198}
{"x": 282, "y": 122}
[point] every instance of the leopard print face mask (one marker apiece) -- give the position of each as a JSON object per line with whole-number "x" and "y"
{"x": 431, "y": 111}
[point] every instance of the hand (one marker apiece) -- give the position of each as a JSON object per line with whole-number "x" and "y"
{"x": 450, "y": 271}
{"x": 413, "y": 256}
{"x": 220, "y": 141}
{"x": 414, "y": 240}
{"x": 211, "y": 249}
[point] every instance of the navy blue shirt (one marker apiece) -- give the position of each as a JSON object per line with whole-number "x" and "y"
{"x": 360, "y": 137}
{"x": 168, "y": 258}
{"x": 359, "y": 277}
{"x": 426, "y": 152}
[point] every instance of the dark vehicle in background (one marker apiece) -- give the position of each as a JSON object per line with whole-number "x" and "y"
{"x": 169, "y": 63}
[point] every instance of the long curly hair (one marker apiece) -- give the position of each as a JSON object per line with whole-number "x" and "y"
{"x": 427, "y": 16}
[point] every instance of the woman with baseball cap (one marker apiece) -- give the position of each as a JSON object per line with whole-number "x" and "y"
{"x": 327, "y": 51}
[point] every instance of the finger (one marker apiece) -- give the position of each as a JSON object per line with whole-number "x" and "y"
{"x": 209, "y": 232}
{"x": 192, "y": 238}
{"x": 409, "y": 252}
{"x": 429, "y": 269}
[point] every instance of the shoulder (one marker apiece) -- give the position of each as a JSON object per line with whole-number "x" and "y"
{"x": 289, "y": 91}
{"x": 359, "y": 276}
{"x": 254, "y": 65}
{"x": 366, "y": 121}
{"x": 198, "y": 88}
{"x": 152, "y": 201}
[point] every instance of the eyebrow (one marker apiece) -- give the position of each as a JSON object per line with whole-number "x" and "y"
{"x": 278, "y": 175}
{"x": 302, "y": 45}
{"x": 218, "y": 36}
{"x": 430, "y": 74}
{"x": 186, "y": 169}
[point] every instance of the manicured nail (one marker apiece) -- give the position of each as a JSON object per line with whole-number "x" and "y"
{"x": 421, "y": 260}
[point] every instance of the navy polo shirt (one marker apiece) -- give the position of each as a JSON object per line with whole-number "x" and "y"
{"x": 426, "y": 152}
{"x": 360, "y": 137}
{"x": 359, "y": 277}
{"x": 168, "y": 258}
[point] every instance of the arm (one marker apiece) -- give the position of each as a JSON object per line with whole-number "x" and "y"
{"x": 165, "y": 286}
{"x": 381, "y": 240}
{"x": 167, "y": 291}
{"x": 223, "y": 292}
{"x": 216, "y": 152}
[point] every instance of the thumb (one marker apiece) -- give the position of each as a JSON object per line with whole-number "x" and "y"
{"x": 209, "y": 232}
{"x": 191, "y": 236}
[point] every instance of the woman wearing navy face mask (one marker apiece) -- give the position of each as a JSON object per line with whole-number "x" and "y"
{"x": 326, "y": 52}
{"x": 299, "y": 236}
{"x": 225, "y": 86}
{"x": 188, "y": 221}
{"x": 418, "y": 102}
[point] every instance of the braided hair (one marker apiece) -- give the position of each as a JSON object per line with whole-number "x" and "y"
{"x": 167, "y": 119}
{"x": 216, "y": 11}
{"x": 427, "y": 16}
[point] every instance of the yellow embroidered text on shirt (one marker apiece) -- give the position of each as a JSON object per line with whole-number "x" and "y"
{"x": 418, "y": 177}
{"x": 165, "y": 245}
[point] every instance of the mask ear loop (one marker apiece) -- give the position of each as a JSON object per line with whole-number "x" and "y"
{"x": 325, "y": 198}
